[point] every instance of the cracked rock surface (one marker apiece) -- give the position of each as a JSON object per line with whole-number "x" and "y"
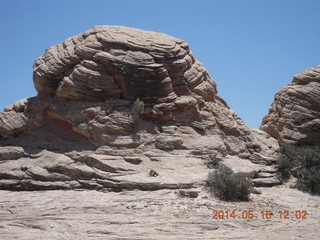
{"x": 162, "y": 214}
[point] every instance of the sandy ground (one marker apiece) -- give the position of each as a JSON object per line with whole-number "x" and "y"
{"x": 159, "y": 214}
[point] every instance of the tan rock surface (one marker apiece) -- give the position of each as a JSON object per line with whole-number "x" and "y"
{"x": 122, "y": 108}
{"x": 162, "y": 214}
{"x": 112, "y": 61}
{"x": 294, "y": 116}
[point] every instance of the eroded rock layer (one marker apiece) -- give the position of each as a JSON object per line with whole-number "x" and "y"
{"x": 122, "y": 108}
{"x": 294, "y": 116}
{"x": 108, "y": 62}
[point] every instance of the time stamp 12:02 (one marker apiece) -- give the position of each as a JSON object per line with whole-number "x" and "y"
{"x": 264, "y": 214}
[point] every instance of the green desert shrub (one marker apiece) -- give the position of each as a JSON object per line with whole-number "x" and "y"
{"x": 227, "y": 185}
{"x": 284, "y": 168}
{"x": 303, "y": 162}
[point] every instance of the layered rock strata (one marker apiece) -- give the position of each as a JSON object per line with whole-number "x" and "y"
{"x": 122, "y": 108}
{"x": 294, "y": 116}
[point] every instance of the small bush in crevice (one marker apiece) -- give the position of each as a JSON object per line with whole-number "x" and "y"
{"x": 229, "y": 186}
{"x": 137, "y": 109}
{"x": 303, "y": 162}
{"x": 212, "y": 160}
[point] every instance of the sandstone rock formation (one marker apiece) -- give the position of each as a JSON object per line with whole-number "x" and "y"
{"x": 122, "y": 108}
{"x": 294, "y": 116}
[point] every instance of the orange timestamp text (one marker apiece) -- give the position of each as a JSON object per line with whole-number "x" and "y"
{"x": 264, "y": 214}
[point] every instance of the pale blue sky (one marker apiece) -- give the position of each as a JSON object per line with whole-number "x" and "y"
{"x": 250, "y": 47}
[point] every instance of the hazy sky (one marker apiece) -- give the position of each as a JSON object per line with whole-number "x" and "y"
{"x": 251, "y": 48}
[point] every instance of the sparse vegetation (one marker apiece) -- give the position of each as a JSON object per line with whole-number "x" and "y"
{"x": 284, "y": 168}
{"x": 303, "y": 162}
{"x": 212, "y": 160}
{"x": 137, "y": 109}
{"x": 229, "y": 186}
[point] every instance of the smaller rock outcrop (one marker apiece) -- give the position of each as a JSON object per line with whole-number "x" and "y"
{"x": 294, "y": 116}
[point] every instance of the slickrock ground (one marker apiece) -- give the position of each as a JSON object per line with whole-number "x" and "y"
{"x": 294, "y": 116}
{"x": 122, "y": 108}
{"x": 162, "y": 214}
